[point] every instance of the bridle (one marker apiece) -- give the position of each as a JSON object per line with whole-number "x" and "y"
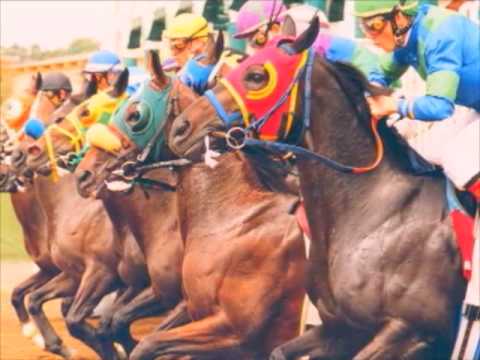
{"x": 248, "y": 133}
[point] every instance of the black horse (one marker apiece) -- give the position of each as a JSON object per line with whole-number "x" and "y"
{"x": 384, "y": 270}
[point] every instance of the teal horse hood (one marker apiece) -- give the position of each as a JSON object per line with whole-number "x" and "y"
{"x": 142, "y": 114}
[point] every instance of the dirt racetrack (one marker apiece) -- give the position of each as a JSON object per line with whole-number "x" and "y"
{"x": 14, "y": 346}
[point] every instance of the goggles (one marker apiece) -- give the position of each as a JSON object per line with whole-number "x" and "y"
{"x": 375, "y": 24}
{"x": 259, "y": 39}
{"x": 53, "y": 96}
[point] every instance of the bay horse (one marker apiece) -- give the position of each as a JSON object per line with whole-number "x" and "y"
{"x": 27, "y": 207}
{"x": 243, "y": 254}
{"x": 384, "y": 269}
{"x": 83, "y": 240}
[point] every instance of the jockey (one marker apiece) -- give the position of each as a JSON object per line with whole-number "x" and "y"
{"x": 442, "y": 46}
{"x": 187, "y": 38}
{"x": 57, "y": 87}
{"x": 259, "y": 21}
{"x": 104, "y": 65}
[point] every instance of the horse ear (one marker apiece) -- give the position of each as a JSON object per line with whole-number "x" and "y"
{"x": 307, "y": 38}
{"x": 288, "y": 27}
{"x": 219, "y": 45}
{"x": 91, "y": 87}
{"x": 214, "y": 49}
{"x": 154, "y": 67}
{"x": 36, "y": 82}
{"x": 120, "y": 84}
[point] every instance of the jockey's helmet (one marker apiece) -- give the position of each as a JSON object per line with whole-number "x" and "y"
{"x": 370, "y": 8}
{"x": 187, "y": 26}
{"x": 103, "y": 61}
{"x": 56, "y": 81}
{"x": 255, "y": 14}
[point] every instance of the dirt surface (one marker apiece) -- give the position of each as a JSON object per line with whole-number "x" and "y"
{"x": 14, "y": 346}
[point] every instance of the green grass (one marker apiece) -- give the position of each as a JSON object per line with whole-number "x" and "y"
{"x": 11, "y": 238}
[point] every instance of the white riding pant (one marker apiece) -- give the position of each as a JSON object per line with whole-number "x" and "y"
{"x": 453, "y": 143}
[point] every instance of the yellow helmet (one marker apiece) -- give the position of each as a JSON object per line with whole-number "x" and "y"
{"x": 188, "y": 26}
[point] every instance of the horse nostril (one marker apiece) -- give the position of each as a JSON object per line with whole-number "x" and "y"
{"x": 34, "y": 150}
{"x": 182, "y": 128}
{"x": 84, "y": 175}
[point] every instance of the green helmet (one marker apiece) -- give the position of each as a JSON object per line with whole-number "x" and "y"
{"x": 368, "y": 8}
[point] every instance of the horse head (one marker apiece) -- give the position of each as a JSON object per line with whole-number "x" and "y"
{"x": 15, "y": 110}
{"x": 137, "y": 130}
{"x": 247, "y": 94}
{"x": 66, "y": 133}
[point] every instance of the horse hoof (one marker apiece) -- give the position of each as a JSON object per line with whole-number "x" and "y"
{"x": 277, "y": 354}
{"x": 29, "y": 329}
{"x": 121, "y": 353}
{"x": 39, "y": 341}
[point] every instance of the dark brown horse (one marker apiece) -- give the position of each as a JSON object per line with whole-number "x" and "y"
{"x": 238, "y": 238}
{"x": 83, "y": 242}
{"x": 384, "y": 271}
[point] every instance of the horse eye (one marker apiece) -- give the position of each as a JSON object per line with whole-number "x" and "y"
{"x": 256, "y": 77}
{"x": 134, "y": 116}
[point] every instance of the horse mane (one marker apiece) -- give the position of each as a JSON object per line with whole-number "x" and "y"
{"x": 354, "y": 84}
{"x": 272, "y": 172}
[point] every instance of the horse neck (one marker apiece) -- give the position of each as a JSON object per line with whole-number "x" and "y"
{"x": 339, "y": 133}
{"x": 213, "y": 196}
{"x": 31, "y": 218}
{"x": 52, "y": 195}
{"x": 148, "y": 213}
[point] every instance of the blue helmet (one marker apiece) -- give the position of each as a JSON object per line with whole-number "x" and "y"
{"x": 103, "y": 61}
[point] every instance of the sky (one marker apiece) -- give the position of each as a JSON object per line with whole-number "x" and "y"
{"x": 54, "y": 24}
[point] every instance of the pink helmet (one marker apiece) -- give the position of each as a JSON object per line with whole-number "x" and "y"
{"x": 256, "y": 13}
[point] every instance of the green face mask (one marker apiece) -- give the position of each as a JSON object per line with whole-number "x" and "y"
{"x": 141, "y": 115}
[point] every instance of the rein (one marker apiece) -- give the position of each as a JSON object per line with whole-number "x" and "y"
{"x": 247, "y": 134}
{"x": 76, "y": 139}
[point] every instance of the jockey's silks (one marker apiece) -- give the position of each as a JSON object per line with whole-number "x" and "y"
{"x": 444, "y": 47}
{"x": 336, "y": 48}
{"x": 281, "y": 69}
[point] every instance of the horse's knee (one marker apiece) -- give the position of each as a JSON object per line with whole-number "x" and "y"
{"x": 17, "y": 298}
{"x": 34, "y": 304}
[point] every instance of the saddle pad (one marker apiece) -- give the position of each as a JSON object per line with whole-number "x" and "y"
{"x": 463, "y": 227}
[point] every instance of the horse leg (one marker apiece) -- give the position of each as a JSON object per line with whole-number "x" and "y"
{"x": 396, "y": 340}
{"x": 58, "y": 287}
{"x": 199, "y": 338}
{"x": 144, "y": 305}
{"x": 317, "y": 343}
{"x": 95, "y": 284}
{"x": 177, "y": 317}
{"x": 18, "y": 299}
{"x": 124, "y": 296}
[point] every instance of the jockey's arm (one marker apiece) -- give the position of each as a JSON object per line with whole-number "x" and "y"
{"x": 443, "y": 58}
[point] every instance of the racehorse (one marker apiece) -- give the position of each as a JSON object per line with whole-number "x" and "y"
{"x": 83, "y": 240}
{"x": 27, "y": 207}
{"x": 384, "y": 270}
{"x": 237, "y": 236}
